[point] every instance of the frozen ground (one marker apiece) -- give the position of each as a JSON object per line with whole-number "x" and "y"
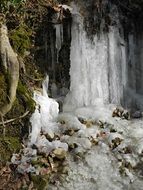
{"x": 115, "y": 163}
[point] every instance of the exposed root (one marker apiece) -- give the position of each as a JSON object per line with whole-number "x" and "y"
{"x": 14, "y": 119}
{"x": 10, "y": 64}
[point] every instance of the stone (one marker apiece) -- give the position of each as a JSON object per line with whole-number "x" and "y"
{"x": 69, "y": 132}
{"x": 114, "y": 140}
{"x": 94, "y": 141}
{"x": 50, "y": 136}
{"x": 88, "y": 123}
{"x": 136, "y": 114}
{"x": 117, "y": 112}
{"x": 125, "y": 115}
{"x": 59, "y": 153}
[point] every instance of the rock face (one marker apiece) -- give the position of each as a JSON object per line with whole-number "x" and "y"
{"x": 53, "y": 41}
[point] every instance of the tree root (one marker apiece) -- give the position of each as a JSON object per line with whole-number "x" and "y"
{"x": 10, "y": 63}
{"x": 14, "y": 119}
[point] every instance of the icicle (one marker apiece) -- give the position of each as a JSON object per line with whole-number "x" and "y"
{"x": 97, "y": 67}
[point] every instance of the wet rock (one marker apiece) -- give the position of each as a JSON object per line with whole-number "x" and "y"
{"x": 72, "y": 146}
{"x": 79, "y": 152}
{"x": 117, "y": 112}
{"x": 81, "y": 119}
{"x": 94, "y": 141}
{"x": 59, "y": 153}
{"x": 112, "y": 130}
{"x": 136, "y": 114}
{"x": 87, "y": 123}
{"x": 70, "y": 132}
{"x": 50, "y": 136}
{"x": 100, "y": 124}
{"x": 62, "y": 122}
{"x": 127, "y": 150}
{"x": 120, "y": 112}
{"x": 125, "y": 115}
{"x": 114, "y": 140}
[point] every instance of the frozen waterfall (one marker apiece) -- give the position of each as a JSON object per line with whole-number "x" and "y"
{"x": 106, "y": 69}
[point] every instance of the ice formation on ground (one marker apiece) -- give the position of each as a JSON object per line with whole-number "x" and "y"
{"x": 113, "y": 162}
{"x": 104, "y": 152}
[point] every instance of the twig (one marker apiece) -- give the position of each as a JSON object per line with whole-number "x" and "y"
{"x": 11, "y": 120}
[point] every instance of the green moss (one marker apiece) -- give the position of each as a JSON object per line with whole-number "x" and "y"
{"x": 20, "y": 38}
{"x": 40, "y": 182}
{"x": 8, "y": 146}
{"x": 3, "y": 90}
{"x": 17, "y": 109}
{"x": 22, "y": 103}
{"x": 16, "y": 1}
{"x": 26, "y": 96}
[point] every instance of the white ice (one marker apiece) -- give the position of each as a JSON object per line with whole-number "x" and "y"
{"x": 45, "y": 115}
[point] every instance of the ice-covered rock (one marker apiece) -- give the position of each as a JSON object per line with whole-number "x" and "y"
{"x": 71, "y": 121}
